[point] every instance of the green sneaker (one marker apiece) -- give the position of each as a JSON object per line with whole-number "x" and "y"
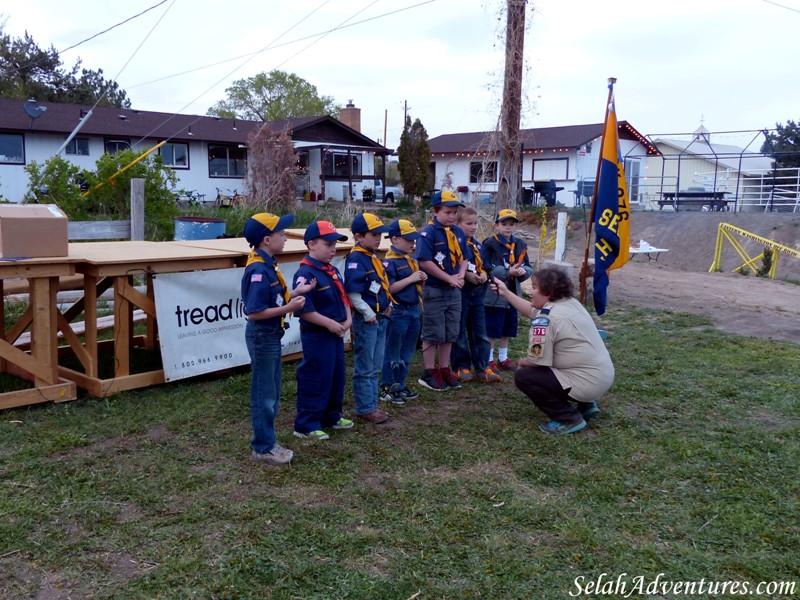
{"x": 343, "y": 424}
{"x": 317, "y": 435}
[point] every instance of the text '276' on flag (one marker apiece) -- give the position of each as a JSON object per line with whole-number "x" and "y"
{"x": 612, "y": 212}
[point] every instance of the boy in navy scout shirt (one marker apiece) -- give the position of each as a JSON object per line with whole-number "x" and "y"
{"x": 405, "y": 285}
{"x": 267, "y": 301}
{"x": 368, "y": 290}
{"x": 325, "y": 318}
{"x": 440, "y": 252}
{"x": 506, "y": 258}
{"x": 471, "y": 350}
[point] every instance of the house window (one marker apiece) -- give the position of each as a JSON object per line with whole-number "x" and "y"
{"x": 12, "y": 148}
{"x": 78, "y": 146}
{"x": 336, "y": 164}
{"x": 483, "y": 172}
{"x": 175, "y": 155}
{"x": 226, "y": 161}
{"x": 114, "y": 146}
{"x": 545, "y": 169}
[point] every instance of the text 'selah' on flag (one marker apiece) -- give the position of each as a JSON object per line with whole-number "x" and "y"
{"x": 612, "y": 212}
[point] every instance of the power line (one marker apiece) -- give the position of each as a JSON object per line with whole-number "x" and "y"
{"x": 781, "y": 6}
{"x": 112, "y": 27}
{"x": 273, "y": 47}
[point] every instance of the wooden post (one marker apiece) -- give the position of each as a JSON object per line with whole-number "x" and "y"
{"x": 137, "y": 210}
{"x": 561, "y": 237}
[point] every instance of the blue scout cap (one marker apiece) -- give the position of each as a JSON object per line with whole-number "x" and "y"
{"x": 325, "y": 230}
{"x": 261, "y": 225}
{"x": 367, "y": 222}
{"x": 446, "y": 198}
{"x": 404, "y": 229}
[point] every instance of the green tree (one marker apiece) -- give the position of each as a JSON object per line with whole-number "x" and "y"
{"x": 273, "y": 96}
{"x": 28, "y": 71}
{"x": 784, "y": 145}
{"x": 415, "y": 158}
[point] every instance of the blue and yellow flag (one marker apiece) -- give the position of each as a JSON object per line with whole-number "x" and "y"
{"x": 612, "y": 213}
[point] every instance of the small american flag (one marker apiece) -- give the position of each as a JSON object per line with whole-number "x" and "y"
{"x": 255, "y": 277}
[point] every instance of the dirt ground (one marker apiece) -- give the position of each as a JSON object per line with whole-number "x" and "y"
{"x": 679, "y": 280}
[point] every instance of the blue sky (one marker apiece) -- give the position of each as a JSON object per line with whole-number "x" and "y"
{"x": 730, "y": 62}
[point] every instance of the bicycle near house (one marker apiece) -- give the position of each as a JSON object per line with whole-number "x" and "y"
{"x": 189, "y": 199}
{"x": 230, "y": 200}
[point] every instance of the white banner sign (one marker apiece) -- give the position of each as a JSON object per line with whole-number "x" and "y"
{"x": 201, "y": 321}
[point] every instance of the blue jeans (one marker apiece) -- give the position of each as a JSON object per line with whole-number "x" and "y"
{"x": 369, "y": 341}
{"x": 264, "y": 346}
{"x": 401, "y": 343}
{"x": 472, "y": 348}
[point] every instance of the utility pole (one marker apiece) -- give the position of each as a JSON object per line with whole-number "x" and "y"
{"x": 510, "y": 142}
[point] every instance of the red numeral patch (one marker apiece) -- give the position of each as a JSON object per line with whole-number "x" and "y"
{"x": 540, "y": 331}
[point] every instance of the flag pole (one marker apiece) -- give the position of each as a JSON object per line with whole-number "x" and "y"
{"x": 611, "y": 82}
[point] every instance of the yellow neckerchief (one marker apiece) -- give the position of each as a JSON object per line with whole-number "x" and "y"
{"x": 478, "y": 259}
{"x": 510, "y": 247}
{"x": 414, "y": 265}
{"x": 255, "y": 257}
{"x": 456, "y": 256}
{"x": 379, "y": 271}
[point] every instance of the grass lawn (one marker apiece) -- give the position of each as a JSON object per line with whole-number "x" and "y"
{"x": 691, "y": 471}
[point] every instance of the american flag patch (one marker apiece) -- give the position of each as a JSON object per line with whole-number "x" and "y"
{"x": 255, "y": 277}
{"x": 352, "y": 265}
{"x": 423, "y": 233}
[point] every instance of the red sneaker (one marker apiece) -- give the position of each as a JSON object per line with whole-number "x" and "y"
{"x": 508, "y": 365}
{"x": 449, "y": 378}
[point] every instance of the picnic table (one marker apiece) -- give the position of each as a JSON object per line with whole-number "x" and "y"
{"x": 715, "y": 200}
{"x": 651, "y": 252}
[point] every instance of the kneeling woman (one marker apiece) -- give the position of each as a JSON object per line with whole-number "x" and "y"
{"x": 567, "y": 367}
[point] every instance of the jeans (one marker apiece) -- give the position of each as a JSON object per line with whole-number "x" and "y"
{"x": 471, "y": 350}
{"x": 369, "y": 341}
{"x": 541, "y": 385}
{"x": 401, "y": 343}
{"x": 264, "y": 347}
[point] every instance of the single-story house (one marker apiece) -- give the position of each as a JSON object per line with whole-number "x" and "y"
{"x": 567, "y": 156}
{"x": 208, "y": 154}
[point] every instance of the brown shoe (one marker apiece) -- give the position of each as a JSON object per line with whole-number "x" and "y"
{"x": 376, "y": 417}
{"x": 507, "y": 365}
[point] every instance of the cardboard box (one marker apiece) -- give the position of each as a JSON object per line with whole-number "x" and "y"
{"x": 32, "y": 231}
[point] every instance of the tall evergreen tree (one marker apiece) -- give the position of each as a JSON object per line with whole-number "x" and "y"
{"x": 415, "y": 158}
{"x": 28, "y": 71}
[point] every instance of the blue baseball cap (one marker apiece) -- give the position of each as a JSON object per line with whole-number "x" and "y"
{"x": 446, "y": 198}
{"x": 404, "y": 229}
{"x": 325, "y": 230}
{"x": 261, "y": 225}
{"x": 367, "y": 222}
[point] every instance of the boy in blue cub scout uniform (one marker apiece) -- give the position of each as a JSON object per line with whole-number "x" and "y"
{"x": 471, "y": 350}
{"x": 267, "y": 301}
{"x": 368, "y": 290}
{"x": 506, "y": 258}
{"x": 440, "y": 252}
{"x": 325, "y": 318}
{"x": 405, "y": 285}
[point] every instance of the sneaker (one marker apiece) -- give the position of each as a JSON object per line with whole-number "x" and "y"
{"x": 277, "y": 456}
{"x": 507, "y": 365}
{"x": 489, "y": 376}
{"x": 343, "y": 424}
{"x": 557, "y": 428}
{"x": 376, "y": 417}
{"x": 449, "y": 378}
{"x": 493, "y": 367}
{"x": 432, "y": 379}
{"x": 408, "y": 394}
{"x": 317, "y": 435}
{"x": 589, "y": 410}
{"x": 465, "y": 375}
{"x": 386, "y": 395}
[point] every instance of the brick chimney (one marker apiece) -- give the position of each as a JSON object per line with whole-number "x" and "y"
{"x": 351, "y": 116}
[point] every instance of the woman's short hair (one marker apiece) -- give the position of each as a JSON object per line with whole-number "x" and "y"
{"x": 554, "y": 283}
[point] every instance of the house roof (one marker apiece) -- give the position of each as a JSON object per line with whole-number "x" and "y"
{"x": 139, "y": 124}
{"x": 730, "y": 157}
{"x": 542, "y": 138}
